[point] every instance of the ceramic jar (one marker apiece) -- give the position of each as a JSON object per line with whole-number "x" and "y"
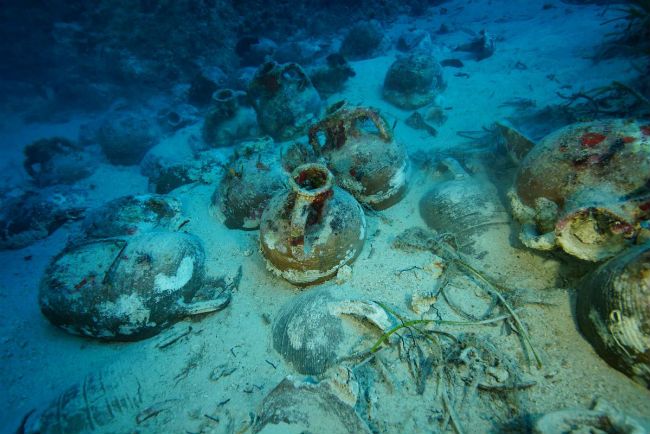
{"x": 613, "y": 310}
{"x": 284, "y": 99}
{"x": 315, "y": 329}
{"x": 230, "y": 120}
{"x": 133, "y": 214}
{"x": 584, "y": 188}
{"x": 253, "y": 176}
{"x": 57, "y": 160}
{"x": 128, "y": 289}
{"x": 313, "y": 229}
{"x": 468, "y": 211}
{"x": 359, "y": 148}
{"x": 413, "y": 81}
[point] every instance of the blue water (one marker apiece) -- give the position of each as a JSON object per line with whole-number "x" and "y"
{"x": 161, "y": 315}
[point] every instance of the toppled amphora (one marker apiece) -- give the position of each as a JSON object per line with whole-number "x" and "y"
{"x": 613, "y": 310}
{"x": 585, "y": 189}
{"x": 128, "y": 288}
{"x": 310, "y": 231}
{"x": 468, "y": 209}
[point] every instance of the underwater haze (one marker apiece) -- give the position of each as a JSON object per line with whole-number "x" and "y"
{"x": 424, "y": 216}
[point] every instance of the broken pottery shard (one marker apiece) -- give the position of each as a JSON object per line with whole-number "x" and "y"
{"x": 315, "y": 329}
{"x": 103, "y": 402}
{"x": 296, "y": 406}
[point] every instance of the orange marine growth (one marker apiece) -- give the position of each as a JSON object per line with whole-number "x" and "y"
{"x": 590, "y": 140}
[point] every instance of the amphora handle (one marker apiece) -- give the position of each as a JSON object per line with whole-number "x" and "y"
{"x": 342, "y": 122}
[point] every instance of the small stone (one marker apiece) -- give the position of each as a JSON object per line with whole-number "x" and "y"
{"x": 221, "y": 371}
{"x": 343, "y": 384}
{"x": 551, "y": 374}
{"x": 194, "y": 413}
{"x": 423, "y": 299}
{"x": 343, "y": 274}
{"x": 499, "y": 374}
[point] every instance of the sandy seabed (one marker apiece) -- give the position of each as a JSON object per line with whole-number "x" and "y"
{"x": 224, "y": 364}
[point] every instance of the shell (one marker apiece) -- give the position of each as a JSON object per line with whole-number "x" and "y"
{"x": 254, "y": 176}
{"x": 126, "y": 289}
{"x": 613, "y": 310}
{"x": 308, "y": 233}
{"x": 300, "y": 406}
{"x": 314, "y": 330}
{"x": 130, "y": 215}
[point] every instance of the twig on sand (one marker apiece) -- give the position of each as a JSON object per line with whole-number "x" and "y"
{"x": 425, "y": 321}
{"x": 453, "y": 417}
{"x": 491, "y": 287}
{"x": 447, "y": 252}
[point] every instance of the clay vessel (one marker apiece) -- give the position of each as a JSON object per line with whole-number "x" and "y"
{"x": 296, "y": 406}
{"x": 131, "y": 215}
{"x": 364, "y": 40}
{"x": 105, "y": 401}
{"x": 413, "y": 81}
{"x": 360, "y": 150}
{"x": 32, "y": 215}
{"x": 613, "y": 310}
{"x": 469, "y": 212}
{"x": 314, "y": 330}
{"x": 253, "y": 176}
{"x": 125, "y": 137}
{"x": 310, "y": 231}
{"x": 284, "y": 99}
{"x": 57, "y": 160}
{"x": 584, "y": 188}
{"x": 229, "y": 121}
{"x": 128, "y": 289}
